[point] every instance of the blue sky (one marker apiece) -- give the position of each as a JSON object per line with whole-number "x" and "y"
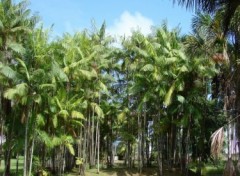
{"x": 121, "y": 16}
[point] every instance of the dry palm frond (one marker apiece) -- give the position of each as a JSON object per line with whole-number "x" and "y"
{"x": 217, "y": 142}
{"x": 221, "y": 57}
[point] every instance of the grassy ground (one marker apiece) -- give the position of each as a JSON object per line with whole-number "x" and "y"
{"x": 210, "y": 169}
{"x": 13, "y": 166}
{"x": 120, "y": 170}
{"x": 124, "y": 172}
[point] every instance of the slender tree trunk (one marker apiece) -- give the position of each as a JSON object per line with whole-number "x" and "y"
{"x": 129, "y": 165}
{"x": 159, "y": 138}
{"x": 25, "y": 167}
{"x": 143, "y": 135}
{"x": 17, "y": 163}
{"x": 64, "y": 159}
{"x": 160, "y": 156}
{"x": 173, "y": 138}
{"x": 92, "y": 164}
{"x": 98, "y": 147}
{"x": 7, "y": 112}
{"x": 84, "y": 156}
{"x": 31, "y": 157}
{"x": 111, "y": 142}
{"x": 139, "y": 146}
{"x": 2, "y": 137}
{"x": 147, "y": 145}
{"x": 185, "y": 143}
{"x": 54, "y": 170}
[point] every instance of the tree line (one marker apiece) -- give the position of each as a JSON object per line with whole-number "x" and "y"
{"x": 66, "y": 102}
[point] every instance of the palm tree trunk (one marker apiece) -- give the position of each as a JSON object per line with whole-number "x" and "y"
{"x": 160, "y": 155}
{"x": 139, "y": 146}
{"x": 185, "y": 143}
{"x": 17, "y": 164}
{"x": 25, "y": 168}
{"x": 143, "y": 135}
{"x": 92, "y": 155}
{"x": 159, "y": 142}
{"x": 31, "y": 157}
{"x": 98, "y": 146}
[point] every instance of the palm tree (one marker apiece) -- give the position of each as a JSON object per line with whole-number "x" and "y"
{"x": 16, "y": 25}
{"x": 212, "y": 6}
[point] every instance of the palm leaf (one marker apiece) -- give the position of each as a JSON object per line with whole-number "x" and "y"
{"x": 168, "y": 96}
{"x": 64, "y": 113}
{"x": 1, "y": 24}
{"x": 10, "y": 94}
{"x": 58, "y": 72}
{"x": 97, "y": 109}
{"x": 24, "y": 66}
{"x": 217, "y": 142}
{"x": 8, "y": 72}
{"x": 148, "y": 67}
{"x": 70, "y": 148}
{"x": 180, "y": 98}
{"x": 40, "y": 120}
{"x": 55, "y": 121}
{"x": 77, "y": 115}
{"x": 18, "y": 48}
{"x": 88, "y": 74}
{"x": 103, "y": 87}
{"x": 44, "y": 137}
{"x": 20, "y": 90}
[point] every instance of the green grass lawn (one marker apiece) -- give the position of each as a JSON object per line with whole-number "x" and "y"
{"x": 13, "y": 166}
{"x": 209, "y": 169}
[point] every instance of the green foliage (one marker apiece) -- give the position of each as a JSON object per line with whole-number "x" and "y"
{"x": 67, "y": 86}
{"x": 168, "y": 96}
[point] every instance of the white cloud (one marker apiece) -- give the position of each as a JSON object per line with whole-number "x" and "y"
{"x": 129, "y": 22}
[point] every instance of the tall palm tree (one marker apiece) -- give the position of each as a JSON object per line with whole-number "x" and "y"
{"x": 212, "y": 6}
{"x": 16, "y": 23}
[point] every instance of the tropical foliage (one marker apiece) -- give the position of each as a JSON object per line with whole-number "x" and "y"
{"x": 70, "y": 101}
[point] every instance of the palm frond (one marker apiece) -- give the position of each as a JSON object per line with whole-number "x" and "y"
{"x": 103, "y": 87}
{"x": 55, "y": 121}
{"x": 1, "y": 24}
{"x": 70, "y": 148}
{"x": 58, "y": 72}
{"x": 198, "y": 5}
{"x": 168, "y": 96}
{"x": 148, "y": 67}
{"x": 20, "y": 91}
{"x": 64, "y": 113}
{"x": 8, "y": 72}
{"x": 217, "y": 139}
{"x": 77, "y": 115}
{"x": 40, "y": 120}
{"x": 96, "y": 108}
{"x": 24, "y": 67}
{"x": 88, "y": 74}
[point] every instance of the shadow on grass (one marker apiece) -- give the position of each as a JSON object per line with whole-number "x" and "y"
{"x": 123, "y": 171}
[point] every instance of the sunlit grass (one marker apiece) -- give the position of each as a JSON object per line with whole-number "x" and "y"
{"x": 210, "y": 169}
{"x": 13, "y": 166}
